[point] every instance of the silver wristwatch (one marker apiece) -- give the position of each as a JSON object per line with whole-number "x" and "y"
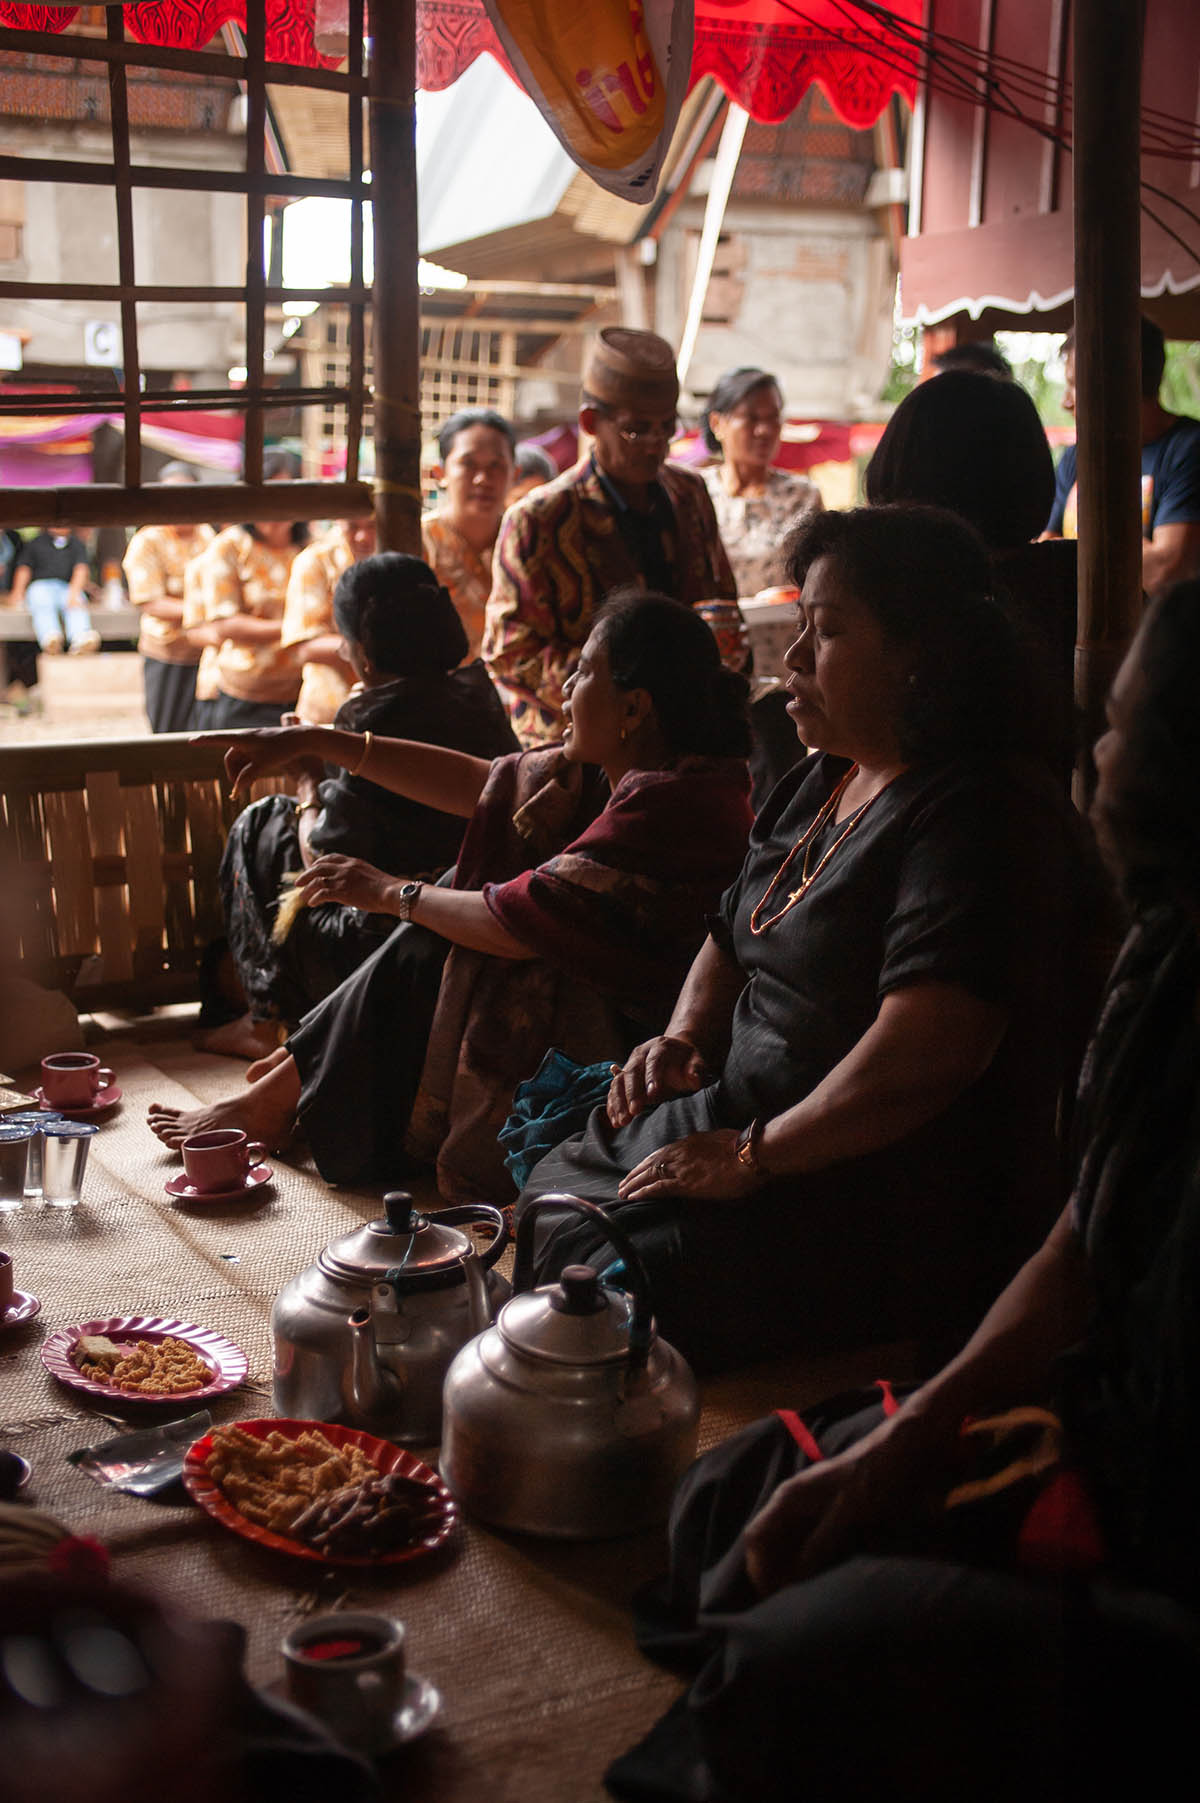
{"x": 406, "y": 901}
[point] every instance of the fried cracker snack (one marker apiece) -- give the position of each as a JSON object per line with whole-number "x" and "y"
{"x": 167, "y": 1367}
{"x": 311, "y": 1490}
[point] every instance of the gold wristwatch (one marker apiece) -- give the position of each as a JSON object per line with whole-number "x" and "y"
{"x": 746, "y": 1148}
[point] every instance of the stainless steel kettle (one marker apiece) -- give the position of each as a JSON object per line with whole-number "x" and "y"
{"x": 569, "y": 1417}
{"x": 365, "y": 1335}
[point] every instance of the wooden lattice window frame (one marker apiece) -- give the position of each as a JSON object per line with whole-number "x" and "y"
{"x": 389, "y": 87}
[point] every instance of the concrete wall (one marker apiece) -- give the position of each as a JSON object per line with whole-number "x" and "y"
{"x": 807, "y": 293}
{"x": 69, "y": 234}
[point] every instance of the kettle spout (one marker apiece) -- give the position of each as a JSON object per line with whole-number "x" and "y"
{"x": 374, "y": 1390}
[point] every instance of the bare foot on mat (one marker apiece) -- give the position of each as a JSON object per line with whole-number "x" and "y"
{"x": 266, "y": 1110}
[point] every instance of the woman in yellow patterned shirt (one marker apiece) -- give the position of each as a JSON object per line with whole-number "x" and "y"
{"x": 477, "y": 448}
{"x": 241, "y": 582}
{"x": 155, "y": 561}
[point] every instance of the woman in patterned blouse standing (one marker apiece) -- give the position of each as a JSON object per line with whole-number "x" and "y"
{"x": 755, "y": 504}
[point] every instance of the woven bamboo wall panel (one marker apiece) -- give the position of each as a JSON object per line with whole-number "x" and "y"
{"x": 114, "y": 864}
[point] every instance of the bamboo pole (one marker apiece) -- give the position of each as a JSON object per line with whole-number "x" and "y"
{"x": 182, "y": 504}
{"x": 358, "y": 322}
{"x": 393, "y": 74}
{"x": 131, "y": 363}
{"x": 256, "y": 163}
{"x": 1107, "y": 85}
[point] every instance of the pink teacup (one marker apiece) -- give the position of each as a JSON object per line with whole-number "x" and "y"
{"x": 72, "y": 1079}
{"x": 220, "y": 1159}
{"x": 7, "y": 1289}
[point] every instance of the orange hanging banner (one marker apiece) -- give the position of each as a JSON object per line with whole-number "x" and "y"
{"x": 609, "y": 79}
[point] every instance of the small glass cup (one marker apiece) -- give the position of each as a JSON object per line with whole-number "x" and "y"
{"x": 37, "y": 1119}
{"x": 15, "y": 1140}
{"x": 64, "y": 1160}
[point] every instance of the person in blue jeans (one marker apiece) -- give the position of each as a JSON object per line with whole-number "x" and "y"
{"x": 50, "y": 578}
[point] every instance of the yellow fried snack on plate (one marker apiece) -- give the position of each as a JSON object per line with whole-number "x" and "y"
{"x": 166, "y": 1367}
{"x": 274, "y": 1480}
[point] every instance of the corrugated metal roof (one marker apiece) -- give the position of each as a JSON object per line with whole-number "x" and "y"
{"x": 486, "y": 160}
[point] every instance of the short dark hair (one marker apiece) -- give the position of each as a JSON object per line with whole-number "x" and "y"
{"x": 1153, "y": 355}
{"x": 978, "y": 354}
{"x": 974, "y": 445}
{"x": 396, "y": 609}
{"x": 659, "y": 644}
{"x": 730, "y": 391}
{"x": 465, "y": 418}
{"x": 925, "y": 575}
{"x": 1148, "y": 829}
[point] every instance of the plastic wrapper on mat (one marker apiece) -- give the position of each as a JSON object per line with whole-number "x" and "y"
{"x": 145, "y": 1462}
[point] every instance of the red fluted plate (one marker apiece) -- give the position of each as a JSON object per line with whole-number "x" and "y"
{"x": 227, "y": 1362}
{"x": 383, "y": 1455}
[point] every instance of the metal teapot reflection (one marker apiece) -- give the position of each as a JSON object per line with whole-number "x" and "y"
{"x": 366, "y": 1334}
{"x": 570, "y": 1416}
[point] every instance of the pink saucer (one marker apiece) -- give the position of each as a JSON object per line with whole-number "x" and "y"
{"x": 105, "y": 1099}
{"x": 183, "y": 1191}
{"x": 23, "y": 1307}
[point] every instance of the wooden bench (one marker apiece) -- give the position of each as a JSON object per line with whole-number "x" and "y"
{"x": 111, "y": 847}
{"x": 16, "y": 625}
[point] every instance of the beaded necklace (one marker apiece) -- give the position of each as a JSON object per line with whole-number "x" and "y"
{"x": 805, "y": 844}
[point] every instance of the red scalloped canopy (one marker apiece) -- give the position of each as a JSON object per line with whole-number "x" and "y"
{"x": 764, "y": 53}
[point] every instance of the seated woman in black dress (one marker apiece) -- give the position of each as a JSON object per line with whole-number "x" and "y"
{"x": 882, "y": 1611}
{"x": 572, "y": 917}
{"x": 865, "y": 1058}
{"x": 404, "y": 641}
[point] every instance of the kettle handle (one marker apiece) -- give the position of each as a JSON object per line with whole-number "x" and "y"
{"x": 484, "y": 1215}
{"x": 640, "y": 1322}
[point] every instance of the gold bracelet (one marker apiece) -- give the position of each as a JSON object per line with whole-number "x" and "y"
{"x": 368, "y": 741}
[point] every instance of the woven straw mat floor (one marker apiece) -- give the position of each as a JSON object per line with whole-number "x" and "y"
{"x": 529, "y": 1642}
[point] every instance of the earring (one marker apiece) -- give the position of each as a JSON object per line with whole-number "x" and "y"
{"x": 624, "y": 735}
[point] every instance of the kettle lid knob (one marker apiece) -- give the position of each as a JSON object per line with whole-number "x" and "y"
{"x": 401, "y": 1211}
{"x": 578, "y": 1292}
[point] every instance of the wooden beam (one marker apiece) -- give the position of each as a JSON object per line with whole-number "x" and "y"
{"x": 393, "y": 73}
{"x": 200, "y": 181}
{"x": 170, "y": 400}
{"x": 358, "y": 319}
{"x": 181, "y": 504}
{"x": 256, "y": 162}
{"x": 131, "y": 365}
{"x": 1107, "y": 97}
{"x": 157, "y": 56}
{"x": 158, "y": 291}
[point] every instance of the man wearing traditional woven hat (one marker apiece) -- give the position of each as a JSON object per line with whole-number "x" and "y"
{"x": 623, "y": 515}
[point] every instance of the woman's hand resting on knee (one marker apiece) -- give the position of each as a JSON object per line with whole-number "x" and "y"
{"x": 655, "y": 1071}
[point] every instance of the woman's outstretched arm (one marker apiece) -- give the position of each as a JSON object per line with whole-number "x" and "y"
{"x": 439, "y": 778}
